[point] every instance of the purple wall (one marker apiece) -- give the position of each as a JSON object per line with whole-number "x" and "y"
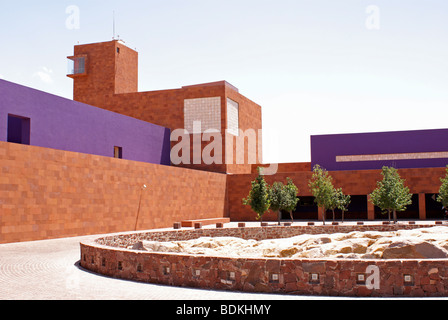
{"x": 64, "y": 124}
{"x": 325, "y": 148}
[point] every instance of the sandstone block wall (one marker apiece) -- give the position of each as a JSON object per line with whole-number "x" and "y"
{"x": 334, "y": 277}
{"x": 47, "y": 193}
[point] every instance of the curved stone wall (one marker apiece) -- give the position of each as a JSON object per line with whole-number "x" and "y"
{"x": 333, "y": 277}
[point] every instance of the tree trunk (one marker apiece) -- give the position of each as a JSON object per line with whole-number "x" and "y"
{"x": 292, "y": 217}
{"x": 279, "y": 212}
{"x": 333, "y": 214}
{"x": 323, "y": 214}
{"x": 395, "y": 216}
{"x": 388, "y": 214}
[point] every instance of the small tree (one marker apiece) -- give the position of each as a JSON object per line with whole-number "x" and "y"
{"x": 321, "y": 186}
{"x": 283, "y": 198}
{"x": 258, "y": 197}
{"x": 342, "y": 201}
{"x": 443, "y": 191}
{"x": 333, "y": 202}
{"x": 277, "y": 198}
{"x": 291, "y": 197}
{"x": 391, "y": 195}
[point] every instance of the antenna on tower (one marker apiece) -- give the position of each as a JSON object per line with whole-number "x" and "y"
{"x": 115, "y": 37}
{"x": 113, "y": 24}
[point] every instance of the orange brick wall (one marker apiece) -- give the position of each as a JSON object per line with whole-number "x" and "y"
{"x": 286, "y": 167}
{"x": 108, "y": 72}
{"x": 250, "y": 117}
{"x": 46, "y": 193}
{"x": 360, "y": 182}
{"x": 166, "y": 108}
{"x": 111, "y": 82}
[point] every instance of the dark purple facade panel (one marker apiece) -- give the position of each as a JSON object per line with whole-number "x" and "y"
{"x": 59, "y": 123}
{"x": 325, "y": 149}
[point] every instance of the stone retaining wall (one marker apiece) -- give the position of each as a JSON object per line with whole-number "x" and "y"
{"x": 334, "y": 277}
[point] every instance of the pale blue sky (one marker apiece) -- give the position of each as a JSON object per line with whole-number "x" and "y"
{"x": 313, "y": 65}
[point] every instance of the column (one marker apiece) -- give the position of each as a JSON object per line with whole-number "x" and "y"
{"x": 422, "y": 206}
{"x": 370, "y": 209}
{"x": 320, "y": 215}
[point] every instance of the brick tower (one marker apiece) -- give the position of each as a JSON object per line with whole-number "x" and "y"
{"x": 102, "y": 70}
{"x": 106, "y": 76}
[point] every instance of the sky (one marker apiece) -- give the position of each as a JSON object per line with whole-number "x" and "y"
{"x": 315, "y": 66}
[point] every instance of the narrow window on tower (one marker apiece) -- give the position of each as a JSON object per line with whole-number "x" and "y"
{"x": 233, "y": 119}
{"x": 118, "y": 152}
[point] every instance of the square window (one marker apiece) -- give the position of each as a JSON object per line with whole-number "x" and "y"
{"x": 408, "y": 280}
{"x": 18, "y": 129}
{"x": 314, "y": 278}
{"x": 361, "y": 278}
{"x": 275, "y": 278}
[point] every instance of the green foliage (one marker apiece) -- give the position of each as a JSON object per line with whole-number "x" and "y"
{"x": 291, "y": 200}
{"x": 342, "y": 201}
{"x": 258, "y": 198}
{"x": 391, "y": 194}
{"x": 443, "y": 191}
{"x": 283, "y": 197}
{"x": 325, "y": 194}
{"x": 277, "y": 198}
{"x": 321, "y": 186}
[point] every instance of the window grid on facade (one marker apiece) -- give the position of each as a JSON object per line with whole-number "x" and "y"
{"x": 204, "y": 111}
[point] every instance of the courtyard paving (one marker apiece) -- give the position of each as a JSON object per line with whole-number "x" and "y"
{"x": 48, "y": 270}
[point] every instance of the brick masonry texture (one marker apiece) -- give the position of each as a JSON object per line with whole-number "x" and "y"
{"x": 47, "y": 193}
{"x": 111, "y": 82}
{"x": 334, "y": 277}
{"x": 359, "y": 182}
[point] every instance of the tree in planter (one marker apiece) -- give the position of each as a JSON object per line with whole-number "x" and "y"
{"x": 342, "y": 201}
{"x": 391, "y": 195}
{"x": 283, "y": 198}
{"x": 333, "y": 202}
{"x": 258, "y": 198}
{"x": 291, "y": 197}
{"x": 443, "y": 191}
{"x": 277, "y": 198}
{"x": 321, "y": 186}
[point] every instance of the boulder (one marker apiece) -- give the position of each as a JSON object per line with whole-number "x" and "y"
{"x": 288, "y": 252}
{"x": 155, "y": 246}
{"x": 413, "y": 249}
{"x": 427, "y": 243}
{"x": 137, "y": 246}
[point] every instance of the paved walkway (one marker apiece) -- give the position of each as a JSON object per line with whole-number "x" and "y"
{"x": 48, "y": 270}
